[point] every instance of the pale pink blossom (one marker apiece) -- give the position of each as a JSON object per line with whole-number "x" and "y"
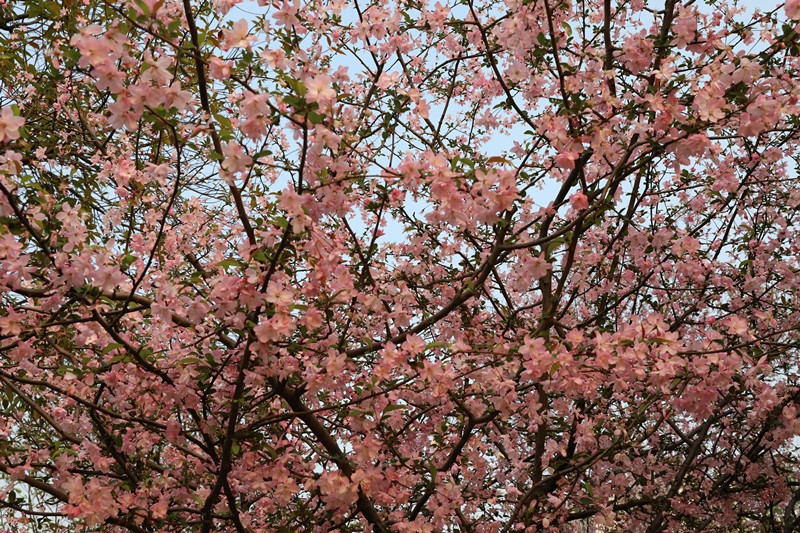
{"x": 579, "y": 201}
{"x": 176, "y": 97}
{"x": 710, "y": 103}
{"x": 108, "y": 76}
{"x": 158, "y": 69}
{"x": 238, "y": 36}
{"x": 236, "y": 160}
{"x": 738, "y": 326}
{"x": 9, "y": 125}
{"x": 423, "y": 109}
{"x": 219, "y": 69}
{"x": 792, "y": 8}
{"x": 224, "y": 6}
{"x": 566, "y": 160}
{"x": 274, "y": 328}
{"x": 320, "y": 89}
{"x": 538, "y": 267}
{"x": 291, "y": 203}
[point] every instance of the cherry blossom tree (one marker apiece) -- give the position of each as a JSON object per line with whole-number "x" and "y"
{"x": 399, "y": 266}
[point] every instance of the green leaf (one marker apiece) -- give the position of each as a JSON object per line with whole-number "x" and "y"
{"x": 294, "y": 101}
{"x": 296, "y": 85}
{"x": 225, "y": 127}
{"x": 143, "y": 6}
{"x": 389, "y": 408}
{"x": 122, "y": 358}
{"x": 555, "y": 243}
{"x": 227, "y": 263}
{"x": 111, "y": 347}
{"x": 127, "y": 260}
{"x": 261, "y": 257}
{"x": 542, "y": 39}
{"x": 315, "y": 118}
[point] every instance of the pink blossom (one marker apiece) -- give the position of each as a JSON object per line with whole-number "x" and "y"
{"x": 125, "y": 112}
{"x": 291, "y": 203}
{"x": 579, "y": 201}
{"x": 286, "y": 15}
{"x": 710, "y": 102}
{"x": 109, "y": 77}
{"x": 685, "y": 27}
{"x": 9, "y": 246}
{"x": 173, "y": 430}
{"x": 414, "y": 344}
{"x": 366, "y": 320}
{"x": 9, "y": 125}
{"x": 423, "y": 109}
{"x": 320, "y": 89}
{"x": 255, "y": 110}
{"x": 236, "y": 160}
{"x": 238, "y": 36}
{"x": 738, "y": 326}
{"x": 397, "y": 196}
{"x": 219, "y": 69}
{"x": 694, "y": 145}
{"x": 566, "y": 160}
{"x": 792, "y": 8}
{"x": 11, "y": 323}
{"x": 224, "y": 6}
{"x": 761, "y": 115}
{"x": 388, "y": 80}
{"x": 176, "y": 97}
{"x": 539, "y": 268}
{"x": 158, "y": 69}
{"x": 273, "y": 329}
